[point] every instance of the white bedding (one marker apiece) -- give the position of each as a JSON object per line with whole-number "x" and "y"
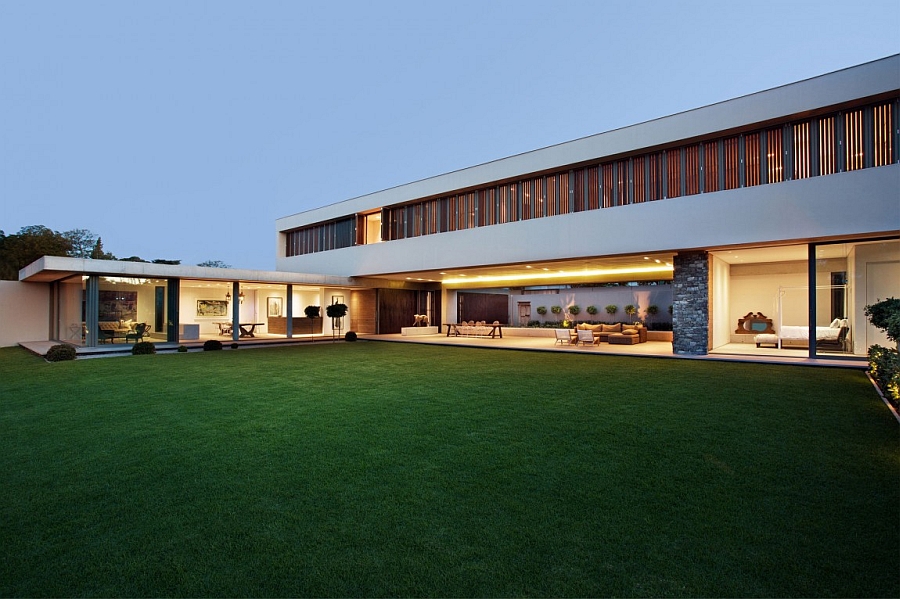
{"x": 802, "y": 333}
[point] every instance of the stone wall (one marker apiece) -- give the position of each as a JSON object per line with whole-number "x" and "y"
{"x": 690, "y": 312}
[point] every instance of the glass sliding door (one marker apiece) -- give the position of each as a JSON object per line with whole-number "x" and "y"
{"x": 848, "y": 277}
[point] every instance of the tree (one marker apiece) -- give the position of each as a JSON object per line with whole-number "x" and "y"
{"x": 98, "y": 254}
{"x": 83, "y": 243}
{"x": 161, "y": 261}
{"x": 214, "y": 264}
{"x": 30, "y": 243}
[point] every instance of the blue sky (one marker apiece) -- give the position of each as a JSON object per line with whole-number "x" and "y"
{"x": 182, "y": 130}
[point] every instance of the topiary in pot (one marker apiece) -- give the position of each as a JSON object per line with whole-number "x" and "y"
{"x": 336, "y": 310}
{"x": 60, "y": 353}
{"x": 350, "y": 336}
{"x": 630, "y": 310}
{"x": 212, "y": 345}
{"x": 542, "y": 310}
{"x": 143, "y": 348}
{"x": 574, "y": 310}
{"x": 592, "y": 310}
{"x": 611, "y": 309}
{"x": 312, "y": 311}
{"x": 556, "y": 309}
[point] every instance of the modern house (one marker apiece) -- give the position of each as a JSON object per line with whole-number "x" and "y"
{"x": 774, "y": 213}
{"x": 784, "y": 203}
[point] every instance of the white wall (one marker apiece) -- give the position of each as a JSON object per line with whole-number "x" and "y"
{"x": 640, "y": 296}
{"x": 720, "y": 313}
{"x": 24, "y": 312}
{"x": 755, "y": 288}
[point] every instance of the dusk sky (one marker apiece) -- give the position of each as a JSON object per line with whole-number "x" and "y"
{"x": 182, "y": 130}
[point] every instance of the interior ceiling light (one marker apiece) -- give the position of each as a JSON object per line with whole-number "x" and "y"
{"x": 598, "y": 272}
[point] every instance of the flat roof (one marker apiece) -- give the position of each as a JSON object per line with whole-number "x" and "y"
{"x": 56, "y": 268}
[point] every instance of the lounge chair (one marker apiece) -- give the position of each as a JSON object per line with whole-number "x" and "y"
{"x": 140, "y": 329}
{"x": 585, "y": 337}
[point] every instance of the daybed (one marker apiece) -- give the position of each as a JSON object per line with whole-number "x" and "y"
{"x": 834, "y": 336}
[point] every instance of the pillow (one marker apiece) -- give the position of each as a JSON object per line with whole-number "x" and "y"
{"x": 629, "y": 332}
{"x": 836, "y": 323}
{"x": 612, "y": 328}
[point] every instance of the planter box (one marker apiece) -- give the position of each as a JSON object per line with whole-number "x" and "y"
{"x": 416, "y": 331}
{"x": 659, "y": 336}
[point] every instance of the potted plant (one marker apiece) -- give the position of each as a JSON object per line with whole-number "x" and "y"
{"x": 611, "y": 309}
{"x": 312, "y": 315}
{"x": 652, "y": 310}
{"x": 336, "y": 313}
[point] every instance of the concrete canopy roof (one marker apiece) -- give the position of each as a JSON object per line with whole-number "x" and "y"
{"x": 55, "y": 268}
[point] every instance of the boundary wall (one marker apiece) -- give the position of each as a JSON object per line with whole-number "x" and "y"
{"x": 24, "y": 312}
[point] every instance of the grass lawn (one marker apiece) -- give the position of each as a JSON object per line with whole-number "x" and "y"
{"x": 380, "y": 469}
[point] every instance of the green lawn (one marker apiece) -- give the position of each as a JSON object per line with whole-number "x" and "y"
{"x": 380, "y": 469}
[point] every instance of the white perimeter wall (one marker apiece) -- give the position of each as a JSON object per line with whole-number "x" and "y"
{"x": 24, "y": 312}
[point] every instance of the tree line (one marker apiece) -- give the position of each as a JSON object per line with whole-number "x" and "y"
{"x": 18, "y": 250}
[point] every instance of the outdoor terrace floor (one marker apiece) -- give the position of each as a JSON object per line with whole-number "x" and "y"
{"x": 735, "y": 352}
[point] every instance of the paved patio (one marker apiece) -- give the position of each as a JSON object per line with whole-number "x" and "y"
{"x": 650, "y": 349}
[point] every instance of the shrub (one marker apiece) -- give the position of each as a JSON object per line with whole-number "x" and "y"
{"x": 884, "y": 363}
{"x": 143, "y": 348}
{"x": 574, "y": 310}
{"x": 611, "y": 309}
{"x": 630, "y": 310}
{"x": 886, "y": 316}
{"x": 182, "y": 349}
{"x": 541, "y": 310}
{"x": 884, "y": 366}
{"x": 592, "y": 310}
{"x": 60, "y": 353}
{"x": 652, "y": 310}
{"x": 234, "y": 346}
{"x": 350, "y": 336}
{"x": 212, "y": 345}
{"x": 312, "y": 311}
{"x": 556, "y": 309}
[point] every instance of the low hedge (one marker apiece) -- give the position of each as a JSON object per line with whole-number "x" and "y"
{"x": 143, "y": 348}
{"x": 60, "y": 353}
{"x": 884, "y": 366}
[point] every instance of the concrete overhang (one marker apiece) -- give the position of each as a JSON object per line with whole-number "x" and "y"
{"x": 55, "y": 268}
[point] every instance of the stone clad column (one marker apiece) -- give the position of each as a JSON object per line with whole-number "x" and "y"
{"x": 690, "y": 306}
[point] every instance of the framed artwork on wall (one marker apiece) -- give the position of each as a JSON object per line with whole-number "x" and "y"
{"x": 273, "y": 306}
{"x": 212, "y": 308}
{"x": 337, "y": 299}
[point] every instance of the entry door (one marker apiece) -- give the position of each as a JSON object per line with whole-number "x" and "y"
{"x": 524, "y": 313}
